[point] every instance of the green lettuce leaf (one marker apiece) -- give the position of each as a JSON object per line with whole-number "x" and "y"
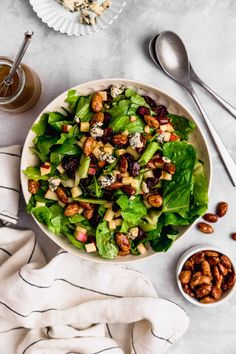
{"x": 149, "y": 152}
{"x": 182, "y": 126}
{"x": 104, "y": 241}
{"x": 132, "y": 210}
{"x": 40, "y": 127}
{"x": 34, "y": 173}
{"x": 83, "y": 110}
{"x": 72, "y": 98}
{"x": 176, "y": 193}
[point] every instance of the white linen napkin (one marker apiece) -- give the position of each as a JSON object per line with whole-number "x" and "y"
{"x": 9, "y": 183}
{"x": 71, "y": 306}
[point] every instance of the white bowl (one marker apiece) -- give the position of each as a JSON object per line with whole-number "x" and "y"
{"x": 191, "y": 251}
{"x": 29, "y": 159}
{"x": 64, "y": 21}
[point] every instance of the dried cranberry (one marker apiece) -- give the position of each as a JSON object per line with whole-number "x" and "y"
{"x": 143, "y": 111}
{"x": 161, "y": 110}
{"x": 151, "y": 181}
{"x": 163, "y": 120}
{"x": 141, "y": 235}
{"x": 135, "y": 170}
{"x": 119, "y": 178}
{"x": 107, "y": 136}
{"x": 150, "y": 101}
{"x": 157, "y": 172}
{"x": 107, "y": 118}
{"x": 129, "y": 157}
{"x": 84, "y": 184}
{"x": 115, "y": 207}
{"x": 95, "y": 220}
{"x": 70, "y": 165}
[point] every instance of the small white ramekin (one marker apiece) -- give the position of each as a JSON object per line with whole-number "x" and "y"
{"x": 191, "y": 251}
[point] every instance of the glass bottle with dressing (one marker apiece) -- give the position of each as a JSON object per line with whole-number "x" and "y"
{"x": 24, "y": 91}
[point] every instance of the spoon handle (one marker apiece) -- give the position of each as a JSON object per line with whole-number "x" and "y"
{"x": 218, "y": 98}
{"x": 225, "y": 156}
{"x": 19, "y": 56}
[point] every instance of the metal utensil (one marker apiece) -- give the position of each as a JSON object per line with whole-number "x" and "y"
{"x": 7, "y": 82}
{"x": 173, "y": 59}
{"x": 194, "y": 77}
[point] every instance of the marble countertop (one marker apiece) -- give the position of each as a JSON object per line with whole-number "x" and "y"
{"x": 208, "y": 29}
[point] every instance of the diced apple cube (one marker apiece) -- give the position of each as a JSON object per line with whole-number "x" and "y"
{"x": 133, "y": 118}
{"x": 118, "y": 222}
{"x": 51, "y": 195}
{"x": 108, "y": 148}
{"x": 81, "y": 229}
{"x": 70, "y": 183}
{"x": 120, "y": 152}
{"x": 125, "y": 133}
{"x": 109, "y": 215}
{"x": 148, "y": 174}
{"x": 103, "y": 94}
{"x": 170, "y": 128}
{"x": 127, "y": 180}
{"x": 80, "y": 236}
{"x": 108, "y": 205}
{"x": 61, "y": 204}
{"x": 141, "y": 248}
{"x": 90, "y": 247}
{"x": 45, "y": 169}
{"x": 147, "y": 129}
{"x": 163, "y": 127}
{"x": 66, "y": 128}
{"x": 124, "y": 174}
{"x": 166, "y": 176}
{"x": 132, "y": 152}
{"x": 166, "y": 136}
{"x": 76, "y": 192}
{"x": 97, "y": 152}
{"x": 118, "y": 213}
{"x": 92, "y": 171}
{"x": 174, "y": 137}
{"x": 84, "y": 127}
{"x": 135, "y": 183}
{"x": 70, "y": 200}
{"x": 39, "y": 204}
{"x": 60, "y": 169}
{"x": 112, "y": 225}
{"x": 133, "y": 232}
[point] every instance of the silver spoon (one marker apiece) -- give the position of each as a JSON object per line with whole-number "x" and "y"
{"x": 173, "y": 59}
{"x": 7, "y": 82}
{"x": 194, "y": 77}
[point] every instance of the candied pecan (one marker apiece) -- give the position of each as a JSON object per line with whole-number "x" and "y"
{"x": 169, "y": 167}
{"x": 221, "y": 209}
{"x": 211, "y": 254}
{"x": 222, "y": 269}
{"x": 123, "y": 164}
{"x": 213, "y": 260}
{"x": 88, "y": 146}
{"x": 185, "y": 276}
{"x": 207, "y": 300}
{"x": 97, "y": 103}
{"x": 205, "y": 228}
{"x": 120, "y": 140}
{"x": 128, "y": 190}
{"x": 230, "y": 280}
{"x": 189, "y": 265}
{"x": 88, "y": 214}
{"x": 151, "y": 121}
{"x": 33, "y": 186}
{"x": 205, "y": 266}
{"x": 114, "y": 186}
{"x": 122, "y": 241}
{"x": 62, "y": 195}
{"x": 71, "y": 209}
{"x": 210, "y": 217}
{"x": 123, "y": 253}
{"x": 86, "y": 206}
{"x": 203, "y": 290}
{"x": 216, "y": 273}
{"x": 216, "y": 292}
{"x": 197, "y": 257}
{"x": 97, "y": 118}
{"x": 155, "y": 200}
{"x": 188, "y": 290}
{"x": 225, "y": 261}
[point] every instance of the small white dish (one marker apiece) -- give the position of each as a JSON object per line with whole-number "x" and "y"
{"x": 191, "y": 251}
{"x": 64, "y": 21}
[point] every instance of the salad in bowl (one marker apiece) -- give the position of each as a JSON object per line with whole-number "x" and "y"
{"x": 116, "y": 174}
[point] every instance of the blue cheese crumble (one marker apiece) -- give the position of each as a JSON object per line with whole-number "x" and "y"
{"x": 96, "y": 131}
{"x": 135, "y": 141}
{"x": 106, "y": 181}
{"x": 105, "y": 156}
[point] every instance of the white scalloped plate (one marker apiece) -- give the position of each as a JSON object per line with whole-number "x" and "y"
{"x": 64, "y": 21}
{"x": 173, "y": 106}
